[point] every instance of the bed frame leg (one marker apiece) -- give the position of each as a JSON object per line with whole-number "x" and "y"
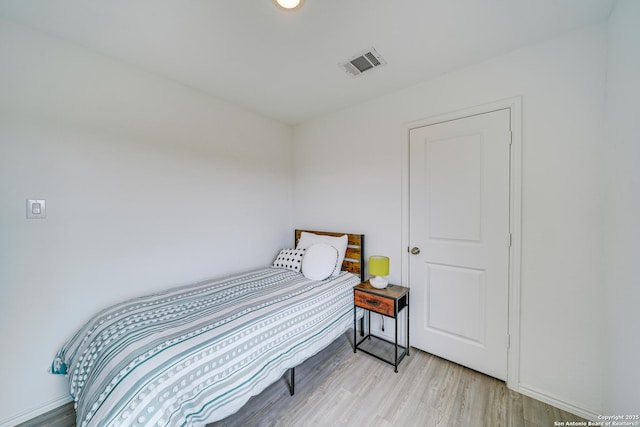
{"x": 292, "y": 382}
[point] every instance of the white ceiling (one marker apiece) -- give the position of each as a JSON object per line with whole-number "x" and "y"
{"x": 284, "y": 65}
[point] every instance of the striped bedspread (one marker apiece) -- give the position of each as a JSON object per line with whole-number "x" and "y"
{"x": 196, "y": 354}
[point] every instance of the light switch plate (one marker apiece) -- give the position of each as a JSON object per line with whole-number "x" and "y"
{"x": 36, "y": 209}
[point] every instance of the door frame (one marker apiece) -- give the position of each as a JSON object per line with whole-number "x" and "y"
{"x": 515, "y": 215}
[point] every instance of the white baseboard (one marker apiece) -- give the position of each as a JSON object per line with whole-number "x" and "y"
{"x": 558, "y": 402}
{"x": 35, "y": 412}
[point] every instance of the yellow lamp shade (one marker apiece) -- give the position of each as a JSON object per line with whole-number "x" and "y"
{"x": 378, "y": 265}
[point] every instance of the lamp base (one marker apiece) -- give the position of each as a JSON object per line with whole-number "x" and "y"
{"x": 378, "y": 282}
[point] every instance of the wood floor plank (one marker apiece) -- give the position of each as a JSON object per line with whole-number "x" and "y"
{"x": 339, "y": 388}
{"x": 64, "y": 416}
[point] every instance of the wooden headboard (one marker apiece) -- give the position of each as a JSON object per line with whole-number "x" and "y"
{"x": 354, "y": 257}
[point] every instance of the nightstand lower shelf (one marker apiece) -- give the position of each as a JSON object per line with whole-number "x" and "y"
{"x": 382, "y": 352}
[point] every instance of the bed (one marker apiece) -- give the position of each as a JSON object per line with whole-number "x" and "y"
{"x": 196, "y": 354}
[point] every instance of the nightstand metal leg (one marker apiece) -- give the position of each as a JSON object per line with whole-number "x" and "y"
{"x": 355, "y": 333}
{"x": 395, "y": 364}
{"x": 408, "y": 303}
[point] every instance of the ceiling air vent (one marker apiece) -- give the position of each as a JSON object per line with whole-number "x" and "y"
{"x": 364, "y": 61}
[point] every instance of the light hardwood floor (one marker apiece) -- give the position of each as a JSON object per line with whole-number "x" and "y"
{"x": 339, "y": 388}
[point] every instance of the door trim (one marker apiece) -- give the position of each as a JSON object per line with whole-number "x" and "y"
{"x": 515, "y": 215}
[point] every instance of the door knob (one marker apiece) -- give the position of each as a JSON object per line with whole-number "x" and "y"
{"x": 415, "y": 250}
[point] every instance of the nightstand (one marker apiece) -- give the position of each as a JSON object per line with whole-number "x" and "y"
{"x": 389, "y": 302}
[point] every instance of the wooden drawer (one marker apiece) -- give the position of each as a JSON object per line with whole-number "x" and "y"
{"x": 374, "y": 303}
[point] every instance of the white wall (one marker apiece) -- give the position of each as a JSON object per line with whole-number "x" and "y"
{"x": 622, "y": 212}
{"x": 562, "y": 83}
{"x": 148, "y": 184}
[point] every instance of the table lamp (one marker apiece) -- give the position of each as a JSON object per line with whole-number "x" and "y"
{"x": 378, "y": 267}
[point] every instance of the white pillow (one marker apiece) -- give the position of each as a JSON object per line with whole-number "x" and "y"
{"x": 319, "y": 261}
{"x": 340, "y": 243}
{"x": 291, "y": 259}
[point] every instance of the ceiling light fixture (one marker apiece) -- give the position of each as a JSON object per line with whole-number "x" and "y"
{"x": 289, "y": 4}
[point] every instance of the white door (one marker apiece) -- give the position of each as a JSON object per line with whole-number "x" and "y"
{"x": 459, "y": 224}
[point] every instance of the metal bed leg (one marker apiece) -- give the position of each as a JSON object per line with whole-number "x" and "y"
{"x": 292, "y": 382}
